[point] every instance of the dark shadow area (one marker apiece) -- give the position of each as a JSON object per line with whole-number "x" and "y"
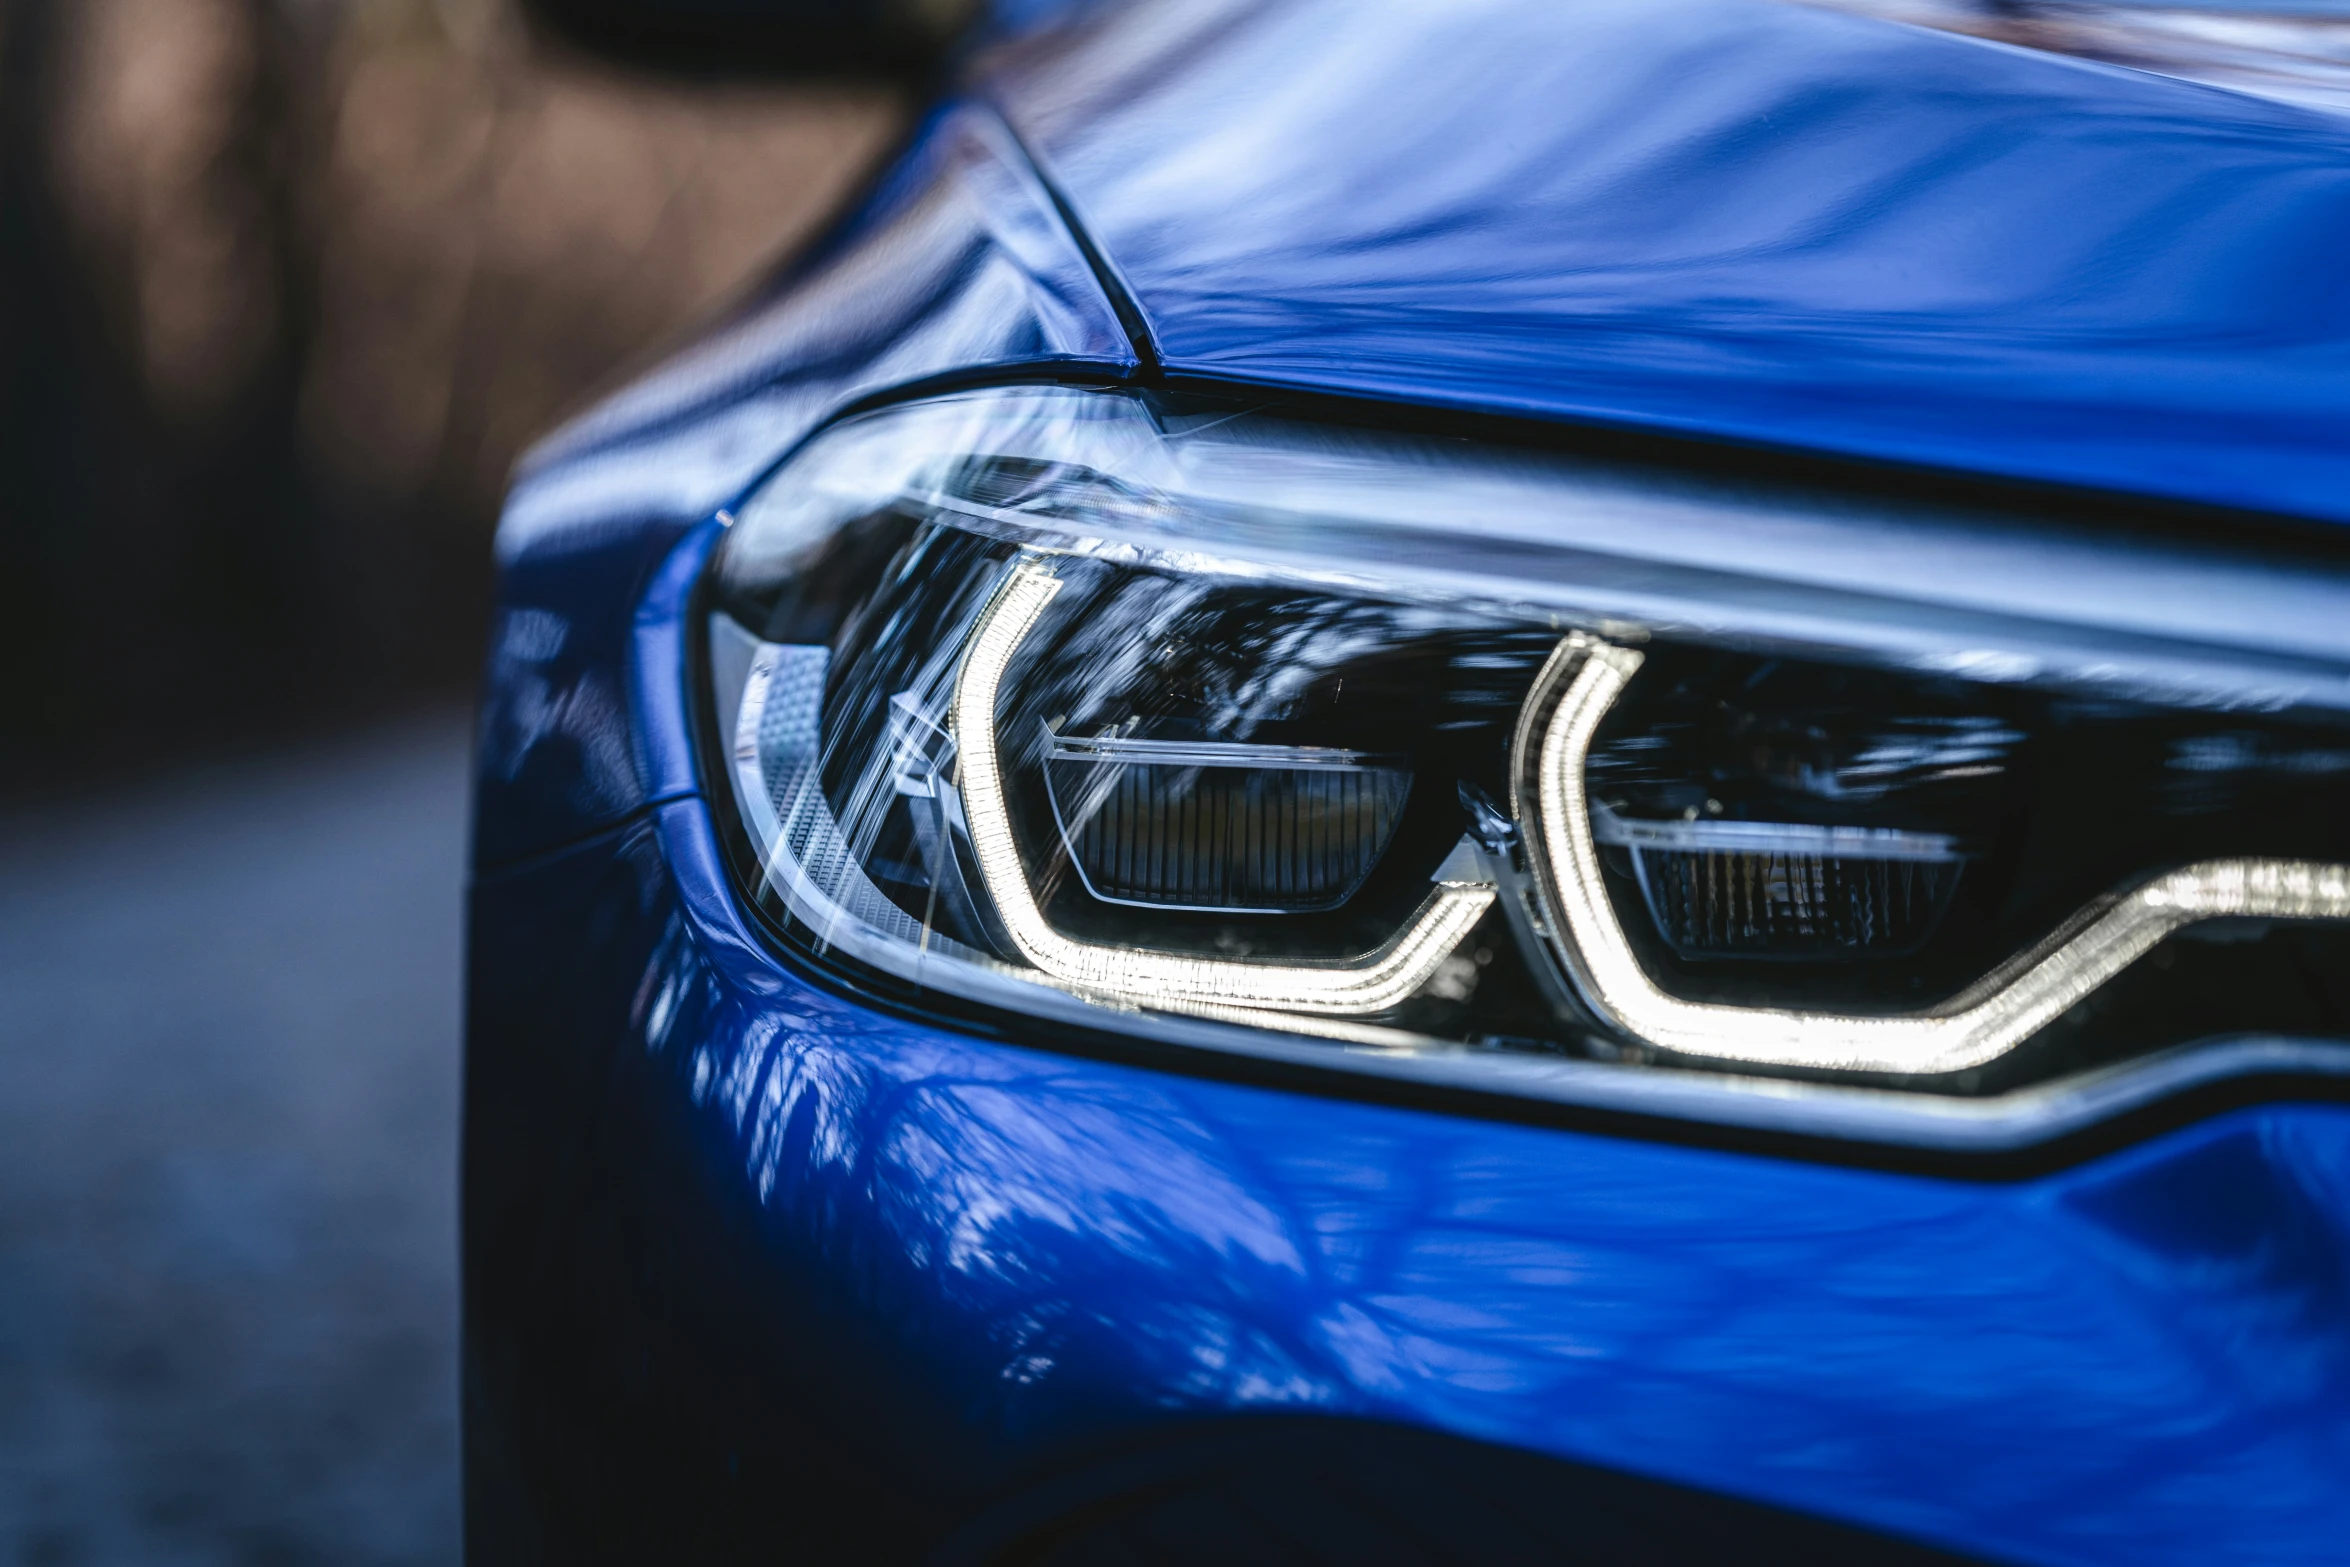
{"x": 1301, "y": 1491}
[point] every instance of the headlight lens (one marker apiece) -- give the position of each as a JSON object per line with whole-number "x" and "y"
{"x": 1074, "y": 704}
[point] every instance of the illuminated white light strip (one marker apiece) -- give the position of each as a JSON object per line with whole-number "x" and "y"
{"x": 1370, "y": 983}
{"x": 1995, "y": 1017}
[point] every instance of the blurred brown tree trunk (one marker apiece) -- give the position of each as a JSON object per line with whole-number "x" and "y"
{"x": 156, "y": 537}
{"x": 284, "y": 288}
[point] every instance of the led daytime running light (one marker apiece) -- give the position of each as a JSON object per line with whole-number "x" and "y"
{"x": 1367, "y": 984}
{"x": 1992, "y": 1018}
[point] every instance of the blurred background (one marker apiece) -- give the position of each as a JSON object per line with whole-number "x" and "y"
{"x": 285, "y": 287}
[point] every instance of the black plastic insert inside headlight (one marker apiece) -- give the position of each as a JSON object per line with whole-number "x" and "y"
{"x": 1807, "y": 833}
{"x": 1219, "y": 825}
{"x": 1061, "y": 702}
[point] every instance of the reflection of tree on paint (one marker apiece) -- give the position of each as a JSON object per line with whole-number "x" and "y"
{"x": 2294, "y": 50}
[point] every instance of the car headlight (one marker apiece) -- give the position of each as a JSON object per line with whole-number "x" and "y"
{"x": 1140, "y": 714}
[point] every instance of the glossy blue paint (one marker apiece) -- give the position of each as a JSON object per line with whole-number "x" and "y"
{"x": 662, "y": 727}
{"x": 1734, "y": 218}
{"x": 796, "y": 1265}
{"x": 1058, "y": 1251}
{"x": 553, "y": 757}
{"x": 703, "y": 1190}
{"x": 2009, "y": 1370}
{"x": 959, "y": 262}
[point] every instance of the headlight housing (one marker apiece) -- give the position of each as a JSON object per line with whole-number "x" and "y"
{"x": 1309, "y": 740}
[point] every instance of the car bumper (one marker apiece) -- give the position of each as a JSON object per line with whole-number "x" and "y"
{"x": 783, "y": 1259}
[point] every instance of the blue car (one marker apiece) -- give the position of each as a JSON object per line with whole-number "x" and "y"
{"x": 1521, "y": 780}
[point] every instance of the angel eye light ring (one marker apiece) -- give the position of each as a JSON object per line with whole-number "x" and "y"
{"x": 1994, "y": 1017}
{"x": 1366, "y": 984}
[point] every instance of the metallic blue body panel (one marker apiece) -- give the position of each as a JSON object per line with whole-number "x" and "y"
{"x": 959, "y": 1257}
{"x": 2144, "y": 1361}
{"x": 799, "y": 1266}
{"x": 1732, "y": 218}
{"x": 959, "y": 262}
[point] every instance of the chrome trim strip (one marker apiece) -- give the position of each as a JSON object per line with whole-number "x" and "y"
{"x": 1703, "y": 836}
{"x": 1221, "y": 753}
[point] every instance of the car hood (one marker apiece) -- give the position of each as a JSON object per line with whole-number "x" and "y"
{"x": 1736, "y": 219}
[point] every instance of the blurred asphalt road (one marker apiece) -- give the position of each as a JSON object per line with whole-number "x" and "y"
{"x": 228, "y": 1141}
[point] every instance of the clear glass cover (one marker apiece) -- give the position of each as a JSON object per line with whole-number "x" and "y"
{"x": 1109, "y": 710}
